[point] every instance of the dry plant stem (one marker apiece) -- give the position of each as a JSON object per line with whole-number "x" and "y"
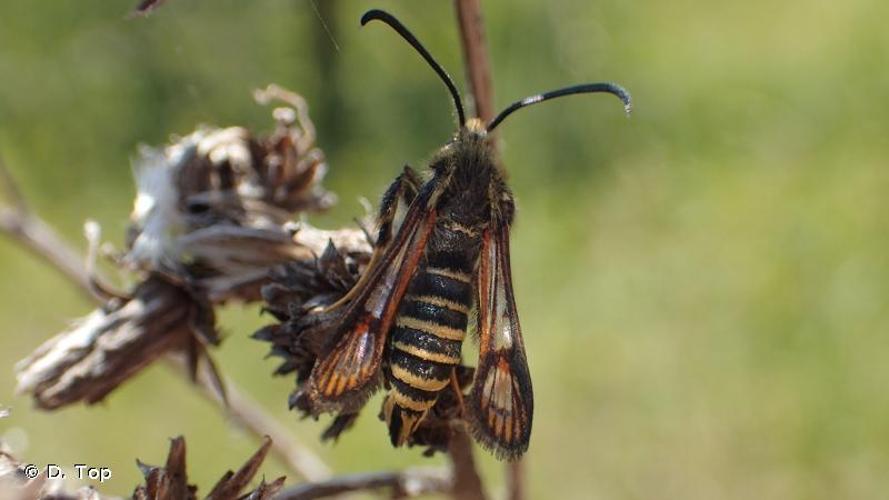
{"x": 299, "y": 459}
{"x": 475, "y": 55}
{"x": 249, "y": 415}
{"x": 478, "y": 68}
{"x": 40, "y": 239}
{"x": 475, "y": 52}
{"x": 467, "y": 482}
{"x": 407, "y": 483}
{"x": 515, "y": 480}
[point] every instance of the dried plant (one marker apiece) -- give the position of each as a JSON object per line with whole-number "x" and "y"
{"x": 212, "y": 208}
{"x": 167, "y": 482}
{"x": 170, "y": 481}
{"x": 212, "y": 224}
{"x": 211, "y": 219}
{"x": 114, "y": 342}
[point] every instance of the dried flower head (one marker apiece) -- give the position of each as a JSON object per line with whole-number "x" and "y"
{"x": 296, "y": 297}
{"x": 224, "y": 187}
{"x": 210, "y": 222}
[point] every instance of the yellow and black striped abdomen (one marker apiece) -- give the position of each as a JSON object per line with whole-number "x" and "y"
{"x": 426, "y": 339}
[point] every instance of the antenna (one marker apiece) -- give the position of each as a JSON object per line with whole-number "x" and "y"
{"x": 395, "y": 24}
{"x": 587, "y": 88}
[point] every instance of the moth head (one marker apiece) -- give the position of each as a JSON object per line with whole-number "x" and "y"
{"x": 475, "y": 127}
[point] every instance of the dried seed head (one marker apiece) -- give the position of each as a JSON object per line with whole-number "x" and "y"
{"x": 216, "y": 178}
{"x": 296, "y": 296}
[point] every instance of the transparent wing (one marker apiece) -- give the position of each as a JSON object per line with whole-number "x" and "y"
{"x": 501, "y": 402}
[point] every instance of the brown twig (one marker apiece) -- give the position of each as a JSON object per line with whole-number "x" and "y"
{"x": 33, "y": 233}
{"x": 515, "y": 480}
{"x": 249, "y": 415}
{"x": 17, "y": 222}
{"x": 475, "y": 54}
{"x": 406, "y": 483}
{"x": 30, "y": 231}
{"x": 467, "y": 482}
{"x": 300, "y": 459}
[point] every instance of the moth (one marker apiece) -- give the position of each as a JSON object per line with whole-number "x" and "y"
{"x": 442, "y": 253}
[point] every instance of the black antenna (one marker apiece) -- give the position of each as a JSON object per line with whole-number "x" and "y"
{"x": 588, "y": 88}
{"x": 395, "y": 24}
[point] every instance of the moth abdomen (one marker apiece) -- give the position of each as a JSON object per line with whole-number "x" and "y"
{"x": 427, "y": 337}
{"x": 426, "y": 346}
{"x": 415, "y": 381}
{"x": 428, "y": 376}
{"x": 451, "y": 285}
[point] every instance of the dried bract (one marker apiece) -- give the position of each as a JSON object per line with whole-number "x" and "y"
{"x": 105, "y": 348}
{"x": 170, "y": 482}
{"x": 296, "y": 296}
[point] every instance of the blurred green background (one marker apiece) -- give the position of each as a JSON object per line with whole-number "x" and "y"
{"x": 703, "y": 287}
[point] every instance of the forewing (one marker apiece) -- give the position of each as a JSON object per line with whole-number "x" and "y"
{"x": 501, "y": 402}
{"x": 348, "y": 368}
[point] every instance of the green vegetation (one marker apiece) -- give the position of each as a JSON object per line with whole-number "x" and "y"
{"x": 703, "y": 288}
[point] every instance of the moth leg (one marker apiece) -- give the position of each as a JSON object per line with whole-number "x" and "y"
{"x": 455, "y": 384}
{"x": 404, "y": 189}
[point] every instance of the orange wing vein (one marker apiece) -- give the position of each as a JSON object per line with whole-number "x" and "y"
{"x": 348, "y": 370}
{"x": 501, "y": 402}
